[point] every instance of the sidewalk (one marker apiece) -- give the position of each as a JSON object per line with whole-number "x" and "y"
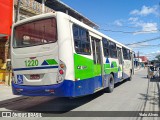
{"x": 6, "y": 92}
{"x": 152, "y": 96}
{"x": 138, "y": 68}
{"x": 10, "y": 102}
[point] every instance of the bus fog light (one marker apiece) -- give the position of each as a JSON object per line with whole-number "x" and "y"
{"x": 60, "y": 79}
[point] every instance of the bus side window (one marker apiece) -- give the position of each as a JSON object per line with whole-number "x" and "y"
{"x": 105, "y": 47}
{"x": 81, "y": 40}
{"x": 126, "y": 54}
{"x": 129, "y": 55}
{"x": 112, "y": 50}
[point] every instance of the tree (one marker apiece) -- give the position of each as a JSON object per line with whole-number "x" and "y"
{"x": 158, "y": 57}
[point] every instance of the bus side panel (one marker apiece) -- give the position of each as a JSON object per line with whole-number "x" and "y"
{"x": 87, "y": 76}
{"x": 65, "y": 44}
{"x": 111, "y": 66}
{"x": 127, "y": 66}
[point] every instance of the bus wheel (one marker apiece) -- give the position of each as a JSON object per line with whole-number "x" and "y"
{"x": 130, "y": 77}
{"x": 110, "y": 87}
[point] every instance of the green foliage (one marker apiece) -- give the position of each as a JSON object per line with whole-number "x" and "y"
{"x": 158, "y": 57}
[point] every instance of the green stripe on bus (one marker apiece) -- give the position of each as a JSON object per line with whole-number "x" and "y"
{"x": 114, "y": 63}
{"x": 51, "y": 62}
{"x": 109, "y": 70}
{"x": 107, "y": 65}
{"x": 85, "y": 67}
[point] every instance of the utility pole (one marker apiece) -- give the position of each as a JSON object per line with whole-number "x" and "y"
{"x": 43, "y": 6}
{"x": 17, "y": 11}
{"x": 138, "y": 59}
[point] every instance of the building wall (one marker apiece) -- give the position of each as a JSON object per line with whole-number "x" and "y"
{"x": 28, "y": 8}
{"x": 3, "y": 49}
{"x": 144, "y": 59}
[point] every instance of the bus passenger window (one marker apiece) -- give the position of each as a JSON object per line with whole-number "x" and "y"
{"x": 112, "y": 50}
{"x": 105, "y": 47}
{"x": 126, "y": 54}
{"x": 81, "y": 40}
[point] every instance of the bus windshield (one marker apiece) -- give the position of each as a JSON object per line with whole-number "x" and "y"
{"x": 35, "y": 33}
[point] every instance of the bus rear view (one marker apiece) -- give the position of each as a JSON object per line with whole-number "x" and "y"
{"x": 54, "y": 54}
{"x": 37, "y": 69}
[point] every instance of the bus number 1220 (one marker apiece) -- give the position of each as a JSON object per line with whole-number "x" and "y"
{"x": 30, "y": 63}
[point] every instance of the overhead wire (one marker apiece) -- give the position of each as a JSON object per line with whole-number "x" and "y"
{"x": 152, "y": 39}
{"x": 129, "y": 32}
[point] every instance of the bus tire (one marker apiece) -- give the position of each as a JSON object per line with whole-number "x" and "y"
{"x": 130, "y": 76}
{"x": 110, "y": 87}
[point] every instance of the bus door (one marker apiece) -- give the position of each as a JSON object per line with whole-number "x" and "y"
{"x": 120, "y": 67}
{"x": 98, "y": 63}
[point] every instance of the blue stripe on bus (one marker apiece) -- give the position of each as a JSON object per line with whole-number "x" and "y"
{"x": 67, "y": 88}
{"x": 34, "y": 68}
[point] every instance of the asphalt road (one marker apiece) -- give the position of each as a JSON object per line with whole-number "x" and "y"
{"x": 140, "y": 94}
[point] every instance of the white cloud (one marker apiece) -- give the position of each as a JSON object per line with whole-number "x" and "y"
{"x": 145, "y": 11}
{"x": 153, "y": 53}
{"x": 147, "y": 27}
{"x": 133, "y": 19}
{"x": 138, "y": 45}
{"x": 118, "y": 23}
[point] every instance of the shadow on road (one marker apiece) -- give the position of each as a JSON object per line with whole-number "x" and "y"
{"x": 158, "y": 86}
{"x": 49, "y": 104}
{"x": 157, "y": 79}
{"x": 151, "y": 98}
{"x": 120, "y": 83}
{"x": 145, "y": 78}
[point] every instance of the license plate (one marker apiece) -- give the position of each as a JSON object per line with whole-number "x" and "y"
{"x": 35, "y": 77}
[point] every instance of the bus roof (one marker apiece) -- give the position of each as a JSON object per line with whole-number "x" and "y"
{"x": 97, "y": 32}
{"x": 48, "y": 15}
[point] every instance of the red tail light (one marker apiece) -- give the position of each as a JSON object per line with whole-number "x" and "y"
{"x": 61, "y": 72}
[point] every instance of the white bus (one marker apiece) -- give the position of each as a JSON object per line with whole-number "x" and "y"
{"x": 54, "y": 54}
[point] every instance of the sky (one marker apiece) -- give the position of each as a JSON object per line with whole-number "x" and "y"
{"x": 126, "y": 21}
